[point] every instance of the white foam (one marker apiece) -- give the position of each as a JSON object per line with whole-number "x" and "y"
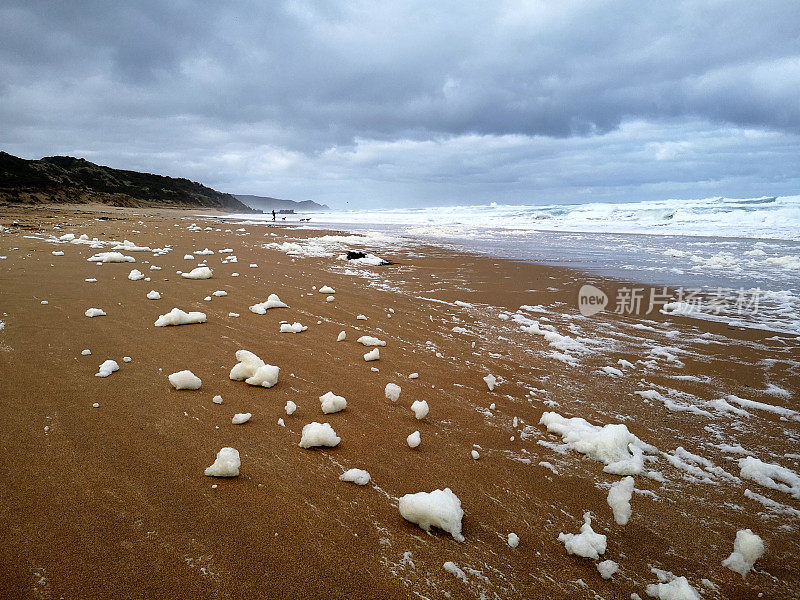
{"x": 292, "y": 327}
{"x": 367, "y": 340}
{"x": 135, "y": 275}
{"x": 95, "y": 312}
{"x": 153, "y": 295}
{"x": 198, "y": 273}
{"x": 677, "y": 589}
{"x": 374, "y": 354}
{"x": 439, "y": 508}
{"x": 357, "y": 476}
{"x": 178, "y": 317}
{"x": 455, "y": 570}
{"x": 778, "y": 410}
{"x": 587, "y": 543}
{"x": 331, "y": 403}
{"x": 107, "y": 368}
{"x": 185, "y": 380}
{"x": 612, "y": 444}
{"x": 253, "y": 370}
{"x": 607, "y": 569}
{"x": 226, "y": 464}
{"x": 619, "y": 499}
{"x": 392, "y": 391}
{"x": 770, "y": 475}
{"x": 241, "y": 418}
{"x": 318, "y": 434}
{"x": 290, "y": 407}
{"x": 413, "y": 440}
{"x": 129, "y": 246}
{"x": 271, "y": 302}
{"x": 110, "y": 257}
{"x": 420, "y": 408}
{"x": 747, "y": 549}
{"x": 491, "y": 381}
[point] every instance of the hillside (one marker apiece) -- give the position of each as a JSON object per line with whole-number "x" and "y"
{"x": 64, "y": 179}
{"x": 267, "y": 204}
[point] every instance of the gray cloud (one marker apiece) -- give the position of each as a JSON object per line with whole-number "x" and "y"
{"x": 247, "y": 94}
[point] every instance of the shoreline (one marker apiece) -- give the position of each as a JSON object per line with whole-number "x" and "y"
{"x": 780, "y": 299}
{"x": 117, "y": 493}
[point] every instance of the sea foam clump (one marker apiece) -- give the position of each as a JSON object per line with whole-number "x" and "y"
{"x": 253, "y": 370}
{"x": 392, "y": 391}
{"x": 129, "y": 246}
{"x": 95, "y": 312}
{"x": 607, "y": 568}
{"x": 414, "y": 440}
{"x": 619, "y": 499}
{"x": 110, "y": 257}
{"x": 198, "y": 273}
{"x": 612, "y": 444}
{"x": 178, "y": 317}
{"x": 357, "y": 476}
{"x": 226, "y": 464}
{"x": 368, "y": 340}
{"x": 420, "y": 408}
{"x": 271, "y": 302}
{"x": 439, "y": 508}
{"x": 747, "y": 549}
{"x": 331, "y": 403}
{"x": 185, "y": 380}
{"x": 107, "y": 368}
{"x": 318, "y": 434}
{"x": 770, "y": 475}
{"x": 491, "y": 381}
{"x": 293, "y": 327}
{"x": 677, "y": 589}
{"x": 587, "y": 543}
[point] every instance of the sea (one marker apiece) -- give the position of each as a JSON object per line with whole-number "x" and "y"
{"x": 744, "y": 249}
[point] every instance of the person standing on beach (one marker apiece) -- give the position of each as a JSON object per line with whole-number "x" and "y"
{"x": 273, "y": 214}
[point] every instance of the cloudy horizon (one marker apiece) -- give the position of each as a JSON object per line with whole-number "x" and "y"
{"x": 355, "y": 104}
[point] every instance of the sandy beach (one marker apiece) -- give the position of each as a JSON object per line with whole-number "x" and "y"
{"x": 112, "y": 501}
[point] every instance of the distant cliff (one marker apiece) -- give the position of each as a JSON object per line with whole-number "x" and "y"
{"x": 64, "y": 179}
{"x": 267, "y": 204}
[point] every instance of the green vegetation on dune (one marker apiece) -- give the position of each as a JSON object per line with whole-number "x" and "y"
{"x": 64, "y": 179}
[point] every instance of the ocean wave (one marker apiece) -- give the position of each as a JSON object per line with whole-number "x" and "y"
{"x": 767, "y": 217}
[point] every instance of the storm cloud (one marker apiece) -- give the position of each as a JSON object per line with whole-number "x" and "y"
{"x": 414, "y": 102}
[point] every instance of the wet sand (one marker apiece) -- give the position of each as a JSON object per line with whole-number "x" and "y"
{"x": 112, "y": 501}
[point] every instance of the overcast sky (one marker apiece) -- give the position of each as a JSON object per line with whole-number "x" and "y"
{"x": 414, "y": 103}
